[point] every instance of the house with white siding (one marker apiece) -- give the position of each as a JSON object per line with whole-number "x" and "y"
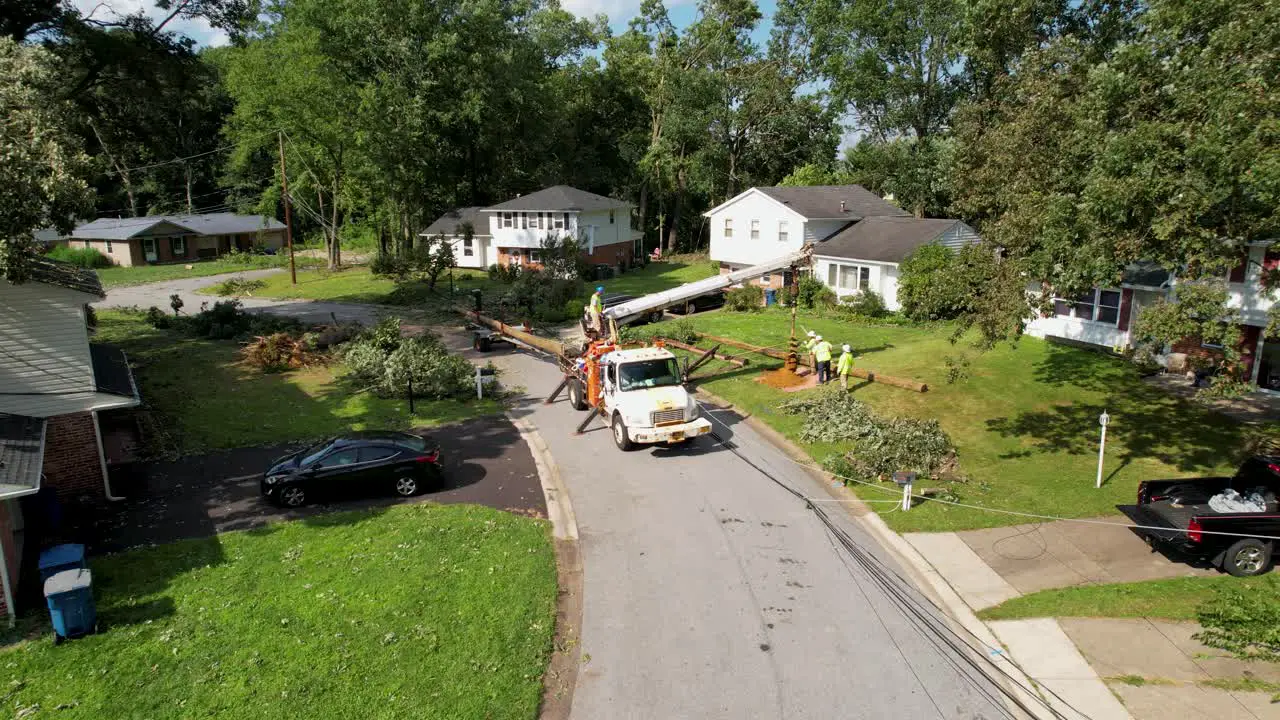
{"x": 512, "y": 232}
{"x": 54, "y": 383}
{"x": 858, "y": 238}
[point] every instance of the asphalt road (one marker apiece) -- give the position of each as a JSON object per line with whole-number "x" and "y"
{"x": 711, "y": 592}
{"x": 157, "y": 294}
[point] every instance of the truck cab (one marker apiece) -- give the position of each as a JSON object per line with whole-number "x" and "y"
{"x": 643, "y": 398}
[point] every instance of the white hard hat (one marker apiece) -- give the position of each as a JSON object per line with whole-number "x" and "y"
{"x": 846, "y": 348}
{"x": 819, "y": 337}
{"x": 812, "y": 334}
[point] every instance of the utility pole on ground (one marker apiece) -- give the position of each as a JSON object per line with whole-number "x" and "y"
{"x": 288, "y": 218}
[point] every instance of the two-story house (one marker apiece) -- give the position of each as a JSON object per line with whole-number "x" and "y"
{"x": 53, "y": 385}
{"x": 512, "y": 232}
{"x": 859, "y": 238}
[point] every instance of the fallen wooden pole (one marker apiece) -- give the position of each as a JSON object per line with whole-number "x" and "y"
{"x": 541, "y": 343}
{"x": 804, "y": 360}
{"x": 693, "y": 348}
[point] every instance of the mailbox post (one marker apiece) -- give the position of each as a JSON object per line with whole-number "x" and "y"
{"x": 905, "y": 480}
{"x": 1103, "y": 420}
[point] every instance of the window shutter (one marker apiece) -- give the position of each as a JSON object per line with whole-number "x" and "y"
{"x": 1238, "y": 272}
{"x": 1126, "y": 303}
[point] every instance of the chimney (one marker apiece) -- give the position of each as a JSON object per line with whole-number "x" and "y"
{"x": 842, "y": 209}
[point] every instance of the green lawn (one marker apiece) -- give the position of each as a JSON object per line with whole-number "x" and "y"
{"x": 410, "y": 611}
{"x": 1024, "y": 421}
{"x": 655, "y": 277}
{"x": 210, "y": 400}
{"x": 1174, "y": 599}
{"x": 139, "y": 274}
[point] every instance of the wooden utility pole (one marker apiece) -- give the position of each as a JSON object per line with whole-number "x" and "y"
{"x": 288, "y": 218}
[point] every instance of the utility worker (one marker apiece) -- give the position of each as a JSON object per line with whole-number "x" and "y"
{"x": 596, "y": 307}
{"x": 845, "y": 366}
{"x": 822, "y": 353}
{"x": 808, "y": 348}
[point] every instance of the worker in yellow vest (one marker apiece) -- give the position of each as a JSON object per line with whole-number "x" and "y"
{"x": 595, "y": 308}
{"x": 845, "y": 366}
{"x": 808, "y": 348}
{"x": 822, "y": 354}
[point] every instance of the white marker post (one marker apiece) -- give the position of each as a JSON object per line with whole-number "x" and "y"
{"x": 1103, "y": 419}
{"x": 904, "y": 480}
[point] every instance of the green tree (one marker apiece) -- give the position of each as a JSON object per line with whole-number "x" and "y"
{"x": 42, "y": 165}
{"x": 925, "y": 287}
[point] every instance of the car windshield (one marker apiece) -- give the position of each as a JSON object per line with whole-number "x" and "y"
{"x": 314, "y": 452}
{"x": 648, "y": 374}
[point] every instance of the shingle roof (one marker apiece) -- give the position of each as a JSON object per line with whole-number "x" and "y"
{"x": 21, "y": 453}
{"x": 210, "y": 224}
{"x": 561, "y": 197}
{"x": 72, "y": 277}
{"x": 111, "y": 371}
{"x": 883, "y": 239}
{"x": 823, "y": 201}
{"x": 447, "y": 224}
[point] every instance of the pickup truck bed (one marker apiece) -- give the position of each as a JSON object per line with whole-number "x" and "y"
{"x": 1164, "y": 514}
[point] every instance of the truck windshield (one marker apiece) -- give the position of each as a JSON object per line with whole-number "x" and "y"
{"x": 648, "y": 374}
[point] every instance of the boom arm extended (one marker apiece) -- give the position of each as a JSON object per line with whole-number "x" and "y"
{"x": 633, "y": 308}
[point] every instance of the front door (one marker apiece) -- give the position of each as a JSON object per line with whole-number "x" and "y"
{"x": 149, "y": 249}
{"x": 1269, "y": 365}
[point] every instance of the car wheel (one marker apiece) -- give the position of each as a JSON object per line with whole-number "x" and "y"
{"x": 577, "y": 398}
{"x": 293, "y": 496}
{"x": 656, "y": 317}
{"x": 620, "y": 436}
{"x": 1247, "y": 558}
{"x": 406, "y": 486}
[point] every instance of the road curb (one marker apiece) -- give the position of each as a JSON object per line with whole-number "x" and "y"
{"x": 927, "y": 578}
{"x": 564, "y": 525}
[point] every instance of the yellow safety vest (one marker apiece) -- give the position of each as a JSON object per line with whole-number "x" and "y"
{"x": 845, "y": 364}
{"x": 822, "y": 351}
{"x": 595, "y": 302}
{"x": 808, "y": 345}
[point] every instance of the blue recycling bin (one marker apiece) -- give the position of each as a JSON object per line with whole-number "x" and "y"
{"x": 770, "y": 297}
{"x": 70, "y": 598}
{"x": 61, "y": 557}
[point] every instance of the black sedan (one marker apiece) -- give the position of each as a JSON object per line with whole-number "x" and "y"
{"x": 356, "y": 463}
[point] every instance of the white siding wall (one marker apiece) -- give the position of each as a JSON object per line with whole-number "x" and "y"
{"x": 481, "y": 256}
{"x": 516, "y": 237}
{"x": 605, "y": 232}
{"x": 740, "y": 249}
{"x": 45, "y": 350}
{"x": 958, "y": 236}
{"x": 1248, "y": 296}
{"x": 881, "y": 277}
{"x": 1079, "y": 330}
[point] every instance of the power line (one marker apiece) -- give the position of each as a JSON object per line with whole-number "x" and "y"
{"x": 197, "y": 155}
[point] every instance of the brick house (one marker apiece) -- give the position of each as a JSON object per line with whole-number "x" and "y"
{"x": 54, "y": 384}
{"x": 511, "y": 232}
{"x": 159, "y": 239}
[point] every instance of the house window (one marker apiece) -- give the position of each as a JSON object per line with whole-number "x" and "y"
{"x": 507, "y": 220}
{"x": 1102, "y": 306}
{"x": 467, "y": 249}
{"x": 539, "y": 222}
{"x": 534, "y": 256}
{"x": 851, "y": 278}
{"x": 524, "y": 221}
{"x": 559, "y": 220}
{"x": 755, "y": 229}
{"x": 765, "y": 279}
{"x": 728, "y": 227}
{"x": 149, "y": 249}
{"x": 178, "y": 246}
{"x": 108, "y": 247}
{"x": 610, "y": 217}
{"x": 783, "y": 231}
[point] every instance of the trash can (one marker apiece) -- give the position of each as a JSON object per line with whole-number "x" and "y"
{"x": 61, "y": 557}
{"x": 70, "y": 598}
{"x": 770, "y": 297}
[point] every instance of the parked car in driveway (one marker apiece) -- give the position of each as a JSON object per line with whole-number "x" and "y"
{"x": 1237, "y": 537}
{"x": 357, "y": 463}
{"x": 710, "y": 301}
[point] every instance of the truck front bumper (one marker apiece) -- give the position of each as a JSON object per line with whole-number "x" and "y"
{"x": 671, "y": 433}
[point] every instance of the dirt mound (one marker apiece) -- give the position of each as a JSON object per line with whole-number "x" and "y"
{"x": 785, "y": 380}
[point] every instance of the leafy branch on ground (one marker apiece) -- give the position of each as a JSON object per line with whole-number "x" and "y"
{"x": 238, "y": 286}
{"x": 389, "y": 364}
{"x": 1243, "y": 622}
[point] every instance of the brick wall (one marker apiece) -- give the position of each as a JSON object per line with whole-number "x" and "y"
{"x": 71, "y": 463}
{"x": 1248, "y": 349}
{"x": 615, "y": 254}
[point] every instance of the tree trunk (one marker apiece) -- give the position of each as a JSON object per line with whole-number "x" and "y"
{"x": 674, "y": 230}
{"x": 186, "y": 172}
{"x": 382, "y": 239}
{"x": 335, "y": 252}
{"x": 643, "y": 215}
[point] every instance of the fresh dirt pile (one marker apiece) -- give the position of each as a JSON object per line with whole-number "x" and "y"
{"x": 784, "y": 379}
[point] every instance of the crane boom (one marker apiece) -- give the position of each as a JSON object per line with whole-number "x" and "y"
{"x": 688, "y": 291}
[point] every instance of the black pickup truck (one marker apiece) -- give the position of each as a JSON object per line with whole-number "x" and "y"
{"x": 1176, "y": 514}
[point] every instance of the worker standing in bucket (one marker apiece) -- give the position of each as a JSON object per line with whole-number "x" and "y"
{"x": 596, "y": 307}
{"x": 822, "y": 354}
{"x": 845, "y": 366}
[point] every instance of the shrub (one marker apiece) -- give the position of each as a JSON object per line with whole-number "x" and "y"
{"x": 227, "y": 320}
{"x": 157, "y": 318}
{"x": 388, "y": 264}
{"x": 328, "y": 336}
{"x": 682, "y": 330}
{"x": 880, "y": 445}
{"x": 238, "y": 286}
{"x": 82, "y": 256}
{"x": 811, "y": 293}
{"x": 504, "y": 273}
{"x": 926, "y": 290}
{"x": 387, "y": 362}
{"x": 868, "y": 304}
{"x": 278, "y": 351}
{"x": 743, "y": 299}
{"x": 1242, "y": 621}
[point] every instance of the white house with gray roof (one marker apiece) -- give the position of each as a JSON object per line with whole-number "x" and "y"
{"x": 859, "y": 238}
{"x": 176, "y": 238}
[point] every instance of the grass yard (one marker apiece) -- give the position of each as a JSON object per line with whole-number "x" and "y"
{"x": 210, "y": 400}
{"x": 659, "y": 276}
{"x": 140, "y": 274}
{"x": 1024, "y": 421}
{"x": 412, "y": 611}
{"x": 1174, "y": 599}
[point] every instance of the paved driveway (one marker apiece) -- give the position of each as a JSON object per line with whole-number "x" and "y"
{"x": 711, "y": 592}
{"x": 485, "y": 462}
{"x": 313, "y": 311}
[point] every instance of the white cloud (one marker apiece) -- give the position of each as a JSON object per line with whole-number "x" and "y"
{"x": 197, "y": 29}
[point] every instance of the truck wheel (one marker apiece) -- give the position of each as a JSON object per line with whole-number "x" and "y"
{"x": 620, "y": 436}
{"x": 577, "y": 398}
{"x": 1247, "y": 557}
